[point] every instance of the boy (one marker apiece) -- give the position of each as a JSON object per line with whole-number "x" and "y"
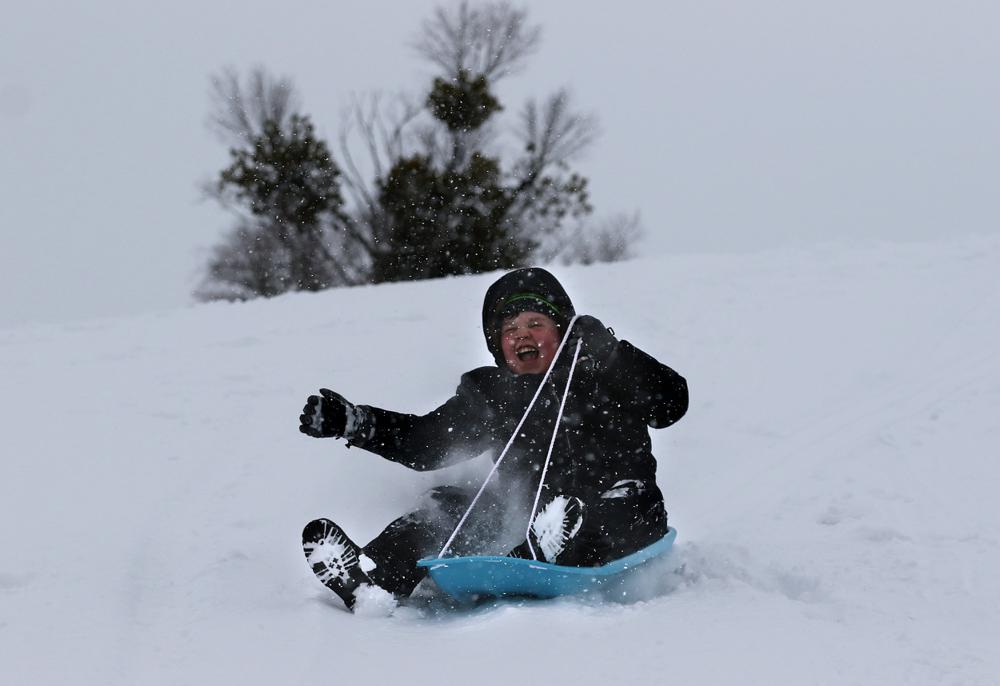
{"x": 600, "y": 500}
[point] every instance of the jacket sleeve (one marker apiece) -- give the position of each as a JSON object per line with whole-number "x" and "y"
{"x": 646, "y": 386}
{"x": 453, "y": 432}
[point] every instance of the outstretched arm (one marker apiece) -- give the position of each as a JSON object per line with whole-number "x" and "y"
{"x": 453, "y": 432}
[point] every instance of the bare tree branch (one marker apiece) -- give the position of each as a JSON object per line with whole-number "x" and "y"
{"x": 239, "y": 111}
{"x": 492, "y": 40}
{"x": 384, "y": 132}
{"x": 611, "y": 240}
{"x": 552, "y": 133}
{"x": 250, "y": 262}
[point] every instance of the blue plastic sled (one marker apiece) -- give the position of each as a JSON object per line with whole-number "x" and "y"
{"x": 472, "y": 578}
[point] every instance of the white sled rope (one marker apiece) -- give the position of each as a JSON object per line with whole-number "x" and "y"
{"x": 517, "y": 430}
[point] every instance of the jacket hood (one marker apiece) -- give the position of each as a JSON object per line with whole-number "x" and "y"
{"x": 530, "y": 288}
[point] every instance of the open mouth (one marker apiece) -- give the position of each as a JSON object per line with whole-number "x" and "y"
{"x": 527, "y": 352}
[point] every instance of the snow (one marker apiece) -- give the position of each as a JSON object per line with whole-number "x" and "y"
{"x": 372, "y": 601}
{"x": 548, "y": 527}
{"x": 834, "y": 483}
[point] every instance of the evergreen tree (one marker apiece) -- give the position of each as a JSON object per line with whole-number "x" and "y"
{"x": 284, "y": 188}
{"x": 447, "y": 195}
{"x": 289, "y": 180}
{"x": 447, "y": 221}
{"x": 452, "y": 208}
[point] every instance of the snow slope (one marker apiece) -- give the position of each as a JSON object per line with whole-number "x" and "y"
{"x": 834, "y": 483}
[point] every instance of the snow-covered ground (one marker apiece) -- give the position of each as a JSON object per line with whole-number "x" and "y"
{"x": 834, "y": 483}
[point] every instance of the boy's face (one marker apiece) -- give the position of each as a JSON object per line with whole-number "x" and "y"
{"x": 529, "y": 341}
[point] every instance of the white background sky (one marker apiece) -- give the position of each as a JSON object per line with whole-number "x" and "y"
{"x": 727, "y": 125}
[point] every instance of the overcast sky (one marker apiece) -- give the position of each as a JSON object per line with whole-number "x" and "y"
{"x": 727, "y": 125}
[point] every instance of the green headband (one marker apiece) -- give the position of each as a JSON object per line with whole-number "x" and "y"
{"x": 528, "y": 296}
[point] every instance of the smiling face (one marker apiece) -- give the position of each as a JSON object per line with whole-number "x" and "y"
{"x": 529, "y": 341}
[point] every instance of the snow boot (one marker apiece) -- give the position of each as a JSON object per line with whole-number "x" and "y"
{"x": 334, "y": 558}
{"x": 552, "y": 529}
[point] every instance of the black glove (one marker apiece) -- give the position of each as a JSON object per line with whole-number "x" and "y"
{"x": 598, "y": 342}
{"x": 325, "y": 417}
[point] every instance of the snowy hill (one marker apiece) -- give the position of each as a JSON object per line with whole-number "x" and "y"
{"x": 834, "y": 483}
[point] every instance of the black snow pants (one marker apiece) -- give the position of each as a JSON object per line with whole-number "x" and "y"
{"x": 616, "y": 522}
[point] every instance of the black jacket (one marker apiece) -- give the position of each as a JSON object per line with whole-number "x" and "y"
{"x": 603, "y": 437}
